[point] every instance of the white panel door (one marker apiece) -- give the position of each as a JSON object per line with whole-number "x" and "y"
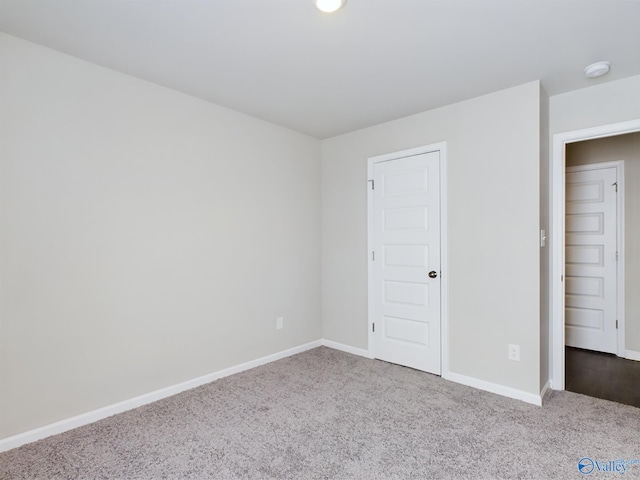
{"x": 591, "y": 259}
{"x": 406, "y": 222}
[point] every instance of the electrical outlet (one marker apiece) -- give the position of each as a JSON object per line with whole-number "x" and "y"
{"x": 279, "y": 323}
{"x": 514, "y": 353}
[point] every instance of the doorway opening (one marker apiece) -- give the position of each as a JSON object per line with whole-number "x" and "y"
{"x": 563, "y": 145}
{"x": 598, "y": 307}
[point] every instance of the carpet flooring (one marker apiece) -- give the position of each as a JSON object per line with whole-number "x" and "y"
{"x": 325, "y": 414}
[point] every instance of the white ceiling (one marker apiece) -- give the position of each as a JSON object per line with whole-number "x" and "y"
{"x": 373, "y": 61}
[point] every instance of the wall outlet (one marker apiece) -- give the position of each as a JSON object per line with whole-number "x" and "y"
{"x": 514, "y": 353}
{"x": 279, "y": 323}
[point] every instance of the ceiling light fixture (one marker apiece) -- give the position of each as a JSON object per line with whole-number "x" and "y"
{"x": 329, "y": 6}
{"x": 596, "y": 69}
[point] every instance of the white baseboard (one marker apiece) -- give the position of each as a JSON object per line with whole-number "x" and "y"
{"x": 553, "y": 385}
{"x": 454, "y": 377}
{"x": 104, "y": 412}
{"x": 632, "y": 355}
{"x": 346, "y": 348}
{"x": 543, "y": 392}
{"x": 495, "y": 388}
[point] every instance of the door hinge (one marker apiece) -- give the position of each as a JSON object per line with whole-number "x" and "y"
{"x": 616, "y": 256}
{"x": 616, "y": 324}
{"x": 373, "y": 256}
{"x": 373, "y": 327}
{"x": 373, "y": 184}
{"x": 615, "y": 184}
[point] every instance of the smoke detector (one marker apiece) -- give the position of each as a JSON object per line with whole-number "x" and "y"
{"x": 596, "y": 69}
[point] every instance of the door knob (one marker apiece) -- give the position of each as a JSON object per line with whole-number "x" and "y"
{"x": 433, "y": 274}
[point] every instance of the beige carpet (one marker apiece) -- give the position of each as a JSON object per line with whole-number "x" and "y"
{"x": 328, "y": 414}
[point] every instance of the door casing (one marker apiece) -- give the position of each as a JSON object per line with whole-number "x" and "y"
{"x": 556, "y": 215}
{"x": 444, "y": 287}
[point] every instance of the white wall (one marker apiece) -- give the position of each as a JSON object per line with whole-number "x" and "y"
{"x": 148, "y": 237}
{"x": 494, "y": 213}
{"x": 603, "y": 104}
{"x": 611, "y": 149}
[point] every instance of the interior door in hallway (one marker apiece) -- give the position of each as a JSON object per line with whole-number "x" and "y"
{"x": 406, "y": 278}
{"x": 591, "y": 258}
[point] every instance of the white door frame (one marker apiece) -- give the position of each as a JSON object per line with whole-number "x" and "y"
{"x": 444, "y": 285}
{"x": 557, "y": 213}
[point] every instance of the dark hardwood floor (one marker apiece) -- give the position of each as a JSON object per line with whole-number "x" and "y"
{"x": 602, "y": 375}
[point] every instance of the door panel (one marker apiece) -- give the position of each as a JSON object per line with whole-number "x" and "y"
{"x": 406, "y": 224}
{"x": 590, "y": 256}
